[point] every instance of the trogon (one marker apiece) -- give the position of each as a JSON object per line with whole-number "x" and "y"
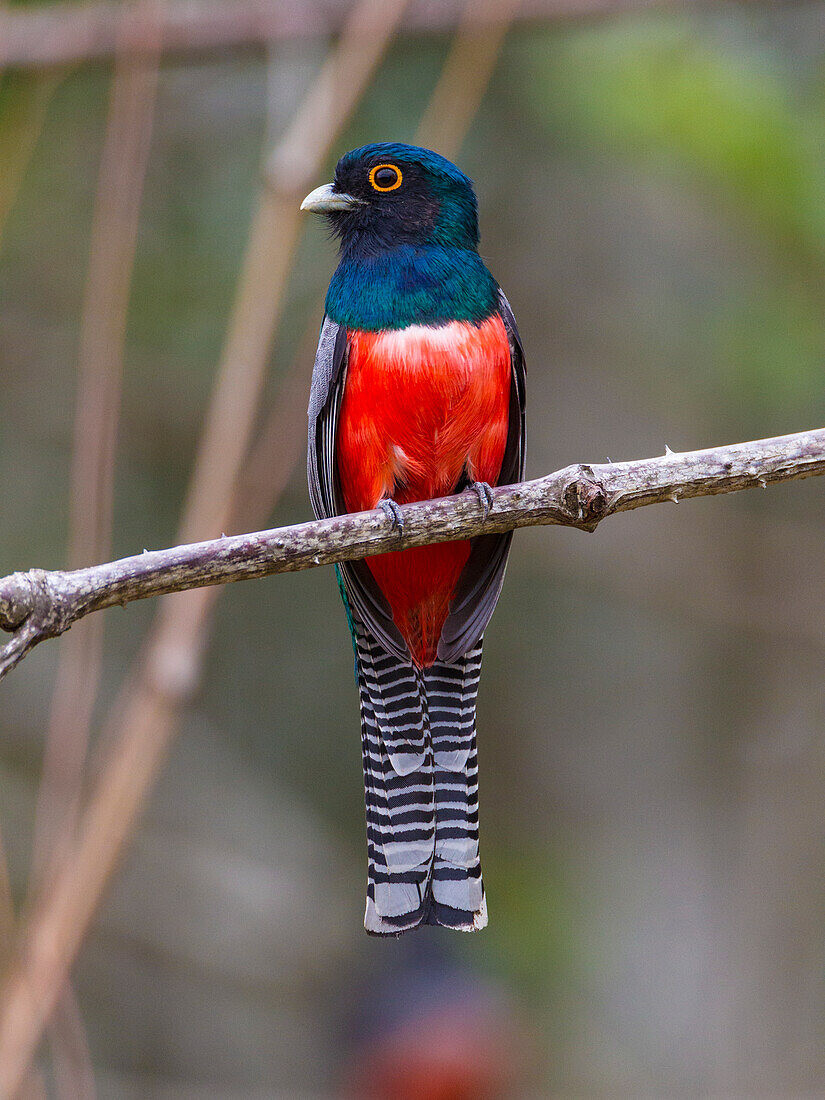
{"x": 417, "y": 392}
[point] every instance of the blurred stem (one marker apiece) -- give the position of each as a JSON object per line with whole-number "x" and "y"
{"x": 19, "y": 131}
{"x": 465, "y": 75}
{"x": 100, "y": 371}
{"x": 100, "y": 368}
{"x": 71, "y": 1059}
{"x": 54, "y": 33}
{"x": 33, "y": 1087}
{"x": 25, "y": 102}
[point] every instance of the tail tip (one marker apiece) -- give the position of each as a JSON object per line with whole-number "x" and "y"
{"x": 430, "y": 912}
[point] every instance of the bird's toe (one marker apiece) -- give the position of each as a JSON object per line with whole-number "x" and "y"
{"x": 393, "y": 514}
{"x": 484, "y": 493}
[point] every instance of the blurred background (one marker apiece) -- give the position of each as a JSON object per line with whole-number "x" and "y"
{"x": 651, "y": 181}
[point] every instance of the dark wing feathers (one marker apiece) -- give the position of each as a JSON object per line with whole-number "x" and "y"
{"x": 512, "y": 466}
{"x": 483, "y": 575}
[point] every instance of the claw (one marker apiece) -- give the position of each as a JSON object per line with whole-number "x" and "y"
{"x": 485, "y": 495}
{"x": 393, "y": 514}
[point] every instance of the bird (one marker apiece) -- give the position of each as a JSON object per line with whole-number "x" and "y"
{"x": 418, "y": 391}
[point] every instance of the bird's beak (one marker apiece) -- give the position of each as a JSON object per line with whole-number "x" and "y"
{"x": 323, "y": 200}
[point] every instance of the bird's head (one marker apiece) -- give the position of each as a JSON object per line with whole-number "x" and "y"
{"x": 390, "y": 194}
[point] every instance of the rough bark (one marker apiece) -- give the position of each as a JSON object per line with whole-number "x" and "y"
{"x": 38, "y": 604}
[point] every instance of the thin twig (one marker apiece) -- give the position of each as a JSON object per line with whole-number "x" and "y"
{"x": 63, "y": 32}
{"x": 578, "y": 496}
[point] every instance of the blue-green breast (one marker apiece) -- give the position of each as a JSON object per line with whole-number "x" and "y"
{"x": 409, "y": 285}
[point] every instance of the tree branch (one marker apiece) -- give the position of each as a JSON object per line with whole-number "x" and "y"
{"x": 38, "y": 604}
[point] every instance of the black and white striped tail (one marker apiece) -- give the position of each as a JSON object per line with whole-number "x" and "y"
{"x": 421, "y": 784}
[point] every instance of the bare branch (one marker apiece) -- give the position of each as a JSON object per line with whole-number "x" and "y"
{"x": 68, "y": 32}
{"x": 38, "y": 604}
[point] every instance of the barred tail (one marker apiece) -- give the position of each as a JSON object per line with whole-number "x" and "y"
{"x": 421, "y": 786}
{"x": 457, "y": 890}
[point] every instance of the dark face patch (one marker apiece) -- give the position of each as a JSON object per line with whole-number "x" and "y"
{"x": 404, "y": 201}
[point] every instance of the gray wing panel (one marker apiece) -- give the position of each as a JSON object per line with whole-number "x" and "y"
{"x": 482, "y": 577}
{"x": 327, "y": 377}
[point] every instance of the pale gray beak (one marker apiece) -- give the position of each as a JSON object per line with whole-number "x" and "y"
{"x": 323, "y": 200}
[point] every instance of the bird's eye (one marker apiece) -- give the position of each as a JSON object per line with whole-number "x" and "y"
{"x": 385, "y": 177}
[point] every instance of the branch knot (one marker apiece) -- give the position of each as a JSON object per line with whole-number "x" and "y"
{"x": 16, "y": 600}
{"x": 32, "y": 596}
{"x": 584, "y": 497}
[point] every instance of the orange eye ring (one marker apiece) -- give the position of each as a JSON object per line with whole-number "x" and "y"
{"x": 378, "y": 167}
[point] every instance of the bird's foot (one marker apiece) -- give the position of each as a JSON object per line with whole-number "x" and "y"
{"x": 393, "y": 514}
{"x": 484, "y": 493}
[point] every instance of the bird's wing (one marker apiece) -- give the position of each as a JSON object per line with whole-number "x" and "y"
{"x": 481, "y": 579}
{"x": 364, "y": 598}
{"x": 324, "y": 401}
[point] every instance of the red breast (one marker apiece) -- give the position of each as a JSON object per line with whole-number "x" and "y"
{"x": 421, "y": 406}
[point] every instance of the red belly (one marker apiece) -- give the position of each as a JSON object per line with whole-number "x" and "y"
{"x": 422, "y": 405}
